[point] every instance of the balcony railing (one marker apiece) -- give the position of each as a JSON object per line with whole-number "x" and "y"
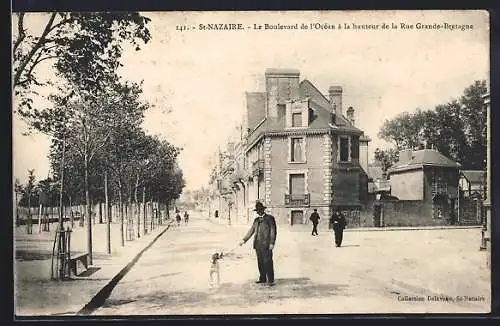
{"x": 257, "y": 167}
{"x": 297, "y": 200}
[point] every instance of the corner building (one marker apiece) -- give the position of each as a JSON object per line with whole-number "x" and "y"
{"x": 301, "y": 152}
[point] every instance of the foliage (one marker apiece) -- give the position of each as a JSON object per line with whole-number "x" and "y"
{"x": 83, "y": 47}
{"x": 457, "y": 129}
{"x": 386, "y": 158}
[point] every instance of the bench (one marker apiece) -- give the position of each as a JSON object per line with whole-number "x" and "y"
{"x": 73, "y": 263}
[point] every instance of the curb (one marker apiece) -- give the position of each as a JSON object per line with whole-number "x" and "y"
{"x": 381, "y": 229}
{"x": 98, "y": 300}
{"x": 416, "y": 228}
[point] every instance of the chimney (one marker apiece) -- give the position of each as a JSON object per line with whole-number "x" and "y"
{"x": 281, "y": 85}
{"x": 350, "y": 115}
{"x": 405, "y": 155}
{"x": 335, "y": 95}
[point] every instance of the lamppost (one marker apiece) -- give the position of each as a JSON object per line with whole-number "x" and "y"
{"x": 486, "y": 230}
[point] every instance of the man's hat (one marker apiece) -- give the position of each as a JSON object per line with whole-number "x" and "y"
{"x": 259, "y": 206}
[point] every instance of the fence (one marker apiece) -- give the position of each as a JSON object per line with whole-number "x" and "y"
{"x": 78, "y": 213}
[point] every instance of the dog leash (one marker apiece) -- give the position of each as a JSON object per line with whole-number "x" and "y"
{"x": 230, "y": 251}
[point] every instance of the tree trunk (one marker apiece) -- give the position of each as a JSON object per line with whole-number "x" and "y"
{"x": 106, "y": 212}
{"x": 144, "y": 210}
{"x": 29, "y": 228}
{"x": 71, "y": 213}
{"x": 120, "y": 207}
{"x": 151, "y": 212}
{"x": 61, "y": 187}
{"x": 89, "y": 209}
{"x": 40, "y": 218}
{"x": 17, "y": 210}
{"x": 100, "y": 213}
{"x": 129, "y": 212}
{"x": 137, "y": 206}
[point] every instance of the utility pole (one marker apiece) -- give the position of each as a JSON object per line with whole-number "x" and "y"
{"x": 486, "y": 231}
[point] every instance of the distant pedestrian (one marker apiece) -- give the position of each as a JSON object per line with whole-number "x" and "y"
{"x": 178, "y": 219}
{"x": 315, "y": 220}
{"x": 264, "y": 228}
{"x": 339, "y": 223}
{"x": 186, "y": 217}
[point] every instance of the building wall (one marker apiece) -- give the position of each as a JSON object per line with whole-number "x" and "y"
{"x": 363, "y": 155}
{"x": 409, "y": 213}
{"x": 346, "y": 180}
{"x": 280, "y": 87}
{"x": 408, "y": 185}
{"x": 314, "y": 168}
{"x": 451, "y": 177}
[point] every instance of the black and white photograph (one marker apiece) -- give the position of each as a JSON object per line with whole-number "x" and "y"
{"x": 182, "y": 163}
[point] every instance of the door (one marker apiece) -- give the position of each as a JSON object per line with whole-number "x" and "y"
{"x": 297, "y": 217}
{"x": 376, "y": 216}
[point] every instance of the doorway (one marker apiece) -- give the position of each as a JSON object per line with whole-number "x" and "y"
{"x": 297, "y": 217}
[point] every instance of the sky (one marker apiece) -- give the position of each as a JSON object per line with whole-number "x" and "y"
{"x": 196, "y": 80}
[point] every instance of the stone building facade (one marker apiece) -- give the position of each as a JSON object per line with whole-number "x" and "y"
{"x": 298, "y": 152}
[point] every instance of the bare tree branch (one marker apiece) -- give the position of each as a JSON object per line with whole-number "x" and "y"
{"x": 33, "y": 50}
{"x": 21, "y": 34}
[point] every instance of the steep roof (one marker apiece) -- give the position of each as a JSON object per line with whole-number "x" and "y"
{"x": 474, "y": 176}
{"x": 320, "y": 118}
{"x": 427, "y": 157}
{"x": 322, "y": 105}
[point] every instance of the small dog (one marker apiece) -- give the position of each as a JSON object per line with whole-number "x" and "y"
{"x": 215, "y": 269}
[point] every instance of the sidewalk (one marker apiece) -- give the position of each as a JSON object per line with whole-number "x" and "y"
{"x": 307, "y": 227}
{"x": 37, "y": 294}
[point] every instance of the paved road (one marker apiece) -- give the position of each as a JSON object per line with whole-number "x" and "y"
{"x": 373, "y": 272}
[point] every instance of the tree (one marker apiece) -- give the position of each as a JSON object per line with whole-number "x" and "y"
{"x": 405, "y": 130}
{"x": 457, "y": 129}
{"x": 386, "y": 158}
{"x": 28, "y": 193}
{"x": 18, "y": 190}
{"x": 89, "y": 41}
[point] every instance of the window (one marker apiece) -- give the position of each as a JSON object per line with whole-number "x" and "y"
{"x": 297, "y": 184}
{"x": 297, "y": 150}
{"x": 355, "y": 148}
{"x": 344, "y": 149}
{"x": 297, "y": 119}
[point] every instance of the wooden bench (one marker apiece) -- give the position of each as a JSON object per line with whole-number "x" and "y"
{"x": 73, "y": 263}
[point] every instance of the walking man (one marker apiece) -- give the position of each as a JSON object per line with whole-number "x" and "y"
{"x": 315, "y": 220}
{"x": 178, "y": 219}
{"x": 264, "y": 228}
{"x": 186, "y": 217}
{"x": 338, "y": 221}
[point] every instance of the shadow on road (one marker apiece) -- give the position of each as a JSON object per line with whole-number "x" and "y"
{"x": 231, "y": 294}
{"x": 27, "y": 255}
{"x": 89, "y": 271}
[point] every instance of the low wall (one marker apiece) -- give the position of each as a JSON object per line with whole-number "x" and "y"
{"x": 408, "y": 213}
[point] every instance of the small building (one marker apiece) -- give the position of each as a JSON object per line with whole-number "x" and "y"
{"x": 472, "y": 183}
{"x": 426, "y": 182}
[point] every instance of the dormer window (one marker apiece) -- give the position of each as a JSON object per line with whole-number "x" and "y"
{"x": 297, "y": 114}
{"x": 297, "y": 119}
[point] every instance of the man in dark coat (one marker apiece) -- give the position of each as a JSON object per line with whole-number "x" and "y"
{"x": 264, "y": 228}
{"x": 338, "y": 221}
{"x": 315, "y": 220}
